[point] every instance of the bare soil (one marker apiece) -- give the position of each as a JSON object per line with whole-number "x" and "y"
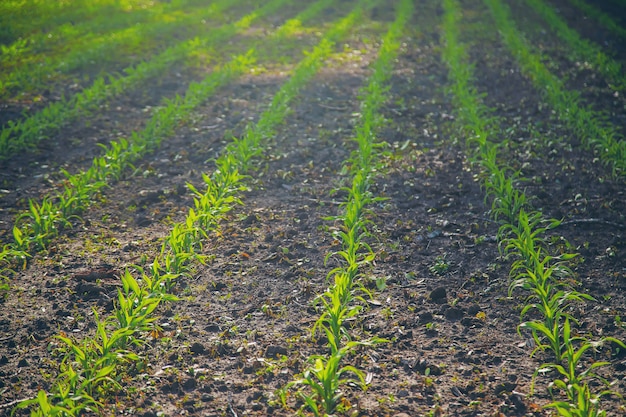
{"x": 242, "y": 327}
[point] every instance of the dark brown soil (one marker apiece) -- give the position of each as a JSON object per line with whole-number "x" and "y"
{"x": 241, "y": 329}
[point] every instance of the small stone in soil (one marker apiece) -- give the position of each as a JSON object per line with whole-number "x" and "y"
{"x": 190, "y": 384}
{"x": 197, "y": 348}
{"x": 274, "y": 351}
{"x": 454, "y": 313}
{"x": 438, "y": 295}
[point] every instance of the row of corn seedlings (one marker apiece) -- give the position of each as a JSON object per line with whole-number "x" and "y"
{"x": 94, "y": 367}
{"x": 582, "y": 49}
{"x": 604, "y": 19}
{"x": 522, "y": 235}
{"x": 25, "y": 134}
{"x": 118, "y": 47}
{"x": 590, "y": 126}
{"x": 320, "y": 385}
{"x": 37, "y": 226}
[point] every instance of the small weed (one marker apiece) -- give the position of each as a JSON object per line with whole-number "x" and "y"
{"x": 440, "y": 267}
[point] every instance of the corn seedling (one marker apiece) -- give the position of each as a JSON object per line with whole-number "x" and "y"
{"x": 325, "y": 378}
{"x": 137, "y": 302}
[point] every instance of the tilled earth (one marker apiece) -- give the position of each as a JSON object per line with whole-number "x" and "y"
{"x": 241, "y": 329}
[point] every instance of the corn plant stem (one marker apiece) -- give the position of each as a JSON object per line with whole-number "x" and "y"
{"x": 183, "y": 245}
{"x": 100, "y": 50}
{"x": 604, "y": 19}
{"x": 587, "y": 124}
{"x": 324, "y": 376}
{"x": 25, "y": 134}
{"x": 582, "y": 49}
{"x": 521, "y": 232}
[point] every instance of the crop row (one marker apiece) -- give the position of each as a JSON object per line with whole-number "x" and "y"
{"x": 93, "y": 368}
{"x": 545, "y": 278}
{"x": 326, "y": 374}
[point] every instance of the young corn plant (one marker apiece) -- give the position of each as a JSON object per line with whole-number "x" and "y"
{"x": 183, "y": 245}
{"x": 325, "y": 379}
{"x": 575, "y": 376}
{"x": 136, "y": 303}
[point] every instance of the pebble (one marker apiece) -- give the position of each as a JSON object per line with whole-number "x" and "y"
{"x": 438, "y": 295}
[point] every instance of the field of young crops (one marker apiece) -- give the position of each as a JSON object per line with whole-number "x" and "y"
{"x": 331, "y": 207}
